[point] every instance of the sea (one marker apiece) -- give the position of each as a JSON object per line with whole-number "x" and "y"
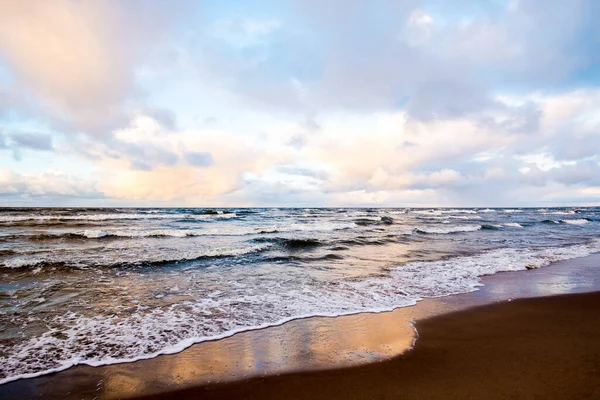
{"x": 107, "y": 285}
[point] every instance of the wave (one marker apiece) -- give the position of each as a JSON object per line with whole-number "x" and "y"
{"x": 147, "y": 332}
{"x": 40, "y": 264}
{"x": 306, "y": 259}
{"x": 448, "y": 217}
{"x": 513, "y": 225}
{"x": 374, "y": 221}
{"x": 7, "y": 252}
{"x": 491, "y": 227}
{"x": 291, "y": 243}
{"x": 90, "y": 217}
{"x": 431, "y": 229}
{"x": 580, "y": 221}
{"x": 512, "y": 211}
{"x": 103, "y": 234}
{"x": 212, "y": 212}
{"x": 369, "y": 240}
{"x": 426, "y": 212}
{"x": 114, "y": 217}
{"x": 561, "y": 212}
{"x": 182, "y": 233}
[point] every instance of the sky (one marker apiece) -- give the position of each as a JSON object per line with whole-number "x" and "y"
{"x": 300, "y": 103}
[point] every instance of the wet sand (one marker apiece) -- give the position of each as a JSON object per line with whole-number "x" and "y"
{"x": 236, "y": 366}
{"x": 543, "y": 348}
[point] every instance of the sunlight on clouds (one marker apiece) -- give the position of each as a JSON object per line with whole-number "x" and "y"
{"x": 50, "y": 183}
{"x": 544, "y": 161}
{"x": 76, "y": 57}
{"x": 302, "y": 104}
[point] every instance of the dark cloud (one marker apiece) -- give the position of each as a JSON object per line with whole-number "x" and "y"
{"x": 572, "y": 144}
{"x": 34, "y": 141}
{"x": 140, "y": 165}
{"x": 448, "y": 99}
{"x": 164, "y": 117}
{"x": 143, "y": 156}
{"x": 360, "y": 56}
{"x": 199, "y": 159}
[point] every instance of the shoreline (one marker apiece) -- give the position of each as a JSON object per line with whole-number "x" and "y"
{"x": 363, "y": 338}
{"x": 547, "y": 347}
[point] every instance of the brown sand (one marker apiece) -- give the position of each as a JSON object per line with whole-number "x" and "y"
{"x": 541, "y": 348}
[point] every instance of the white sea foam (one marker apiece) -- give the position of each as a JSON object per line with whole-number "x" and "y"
{"x": 445, "y": 217}
{"x": 513, "y": 211}
{"x": 487, "y": 210}
{"x": 459, "y": 211}
{"x": 127, "y": 335}
{"x": 564, "y": 212}
{"x": 447, "y": 228}
{"x": 513, "y": 225}
{"x": 217, "y": 231}
{"x": 580, "y": 221}
{"x": 113, "y": 217}
{"x": 85, "y": 261}
{"x": 88, "y": 217}
{"x": 426, "y": 212}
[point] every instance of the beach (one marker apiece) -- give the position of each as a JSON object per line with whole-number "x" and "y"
{"x": 546, "y": 348}
{"x": 524, "y": 334}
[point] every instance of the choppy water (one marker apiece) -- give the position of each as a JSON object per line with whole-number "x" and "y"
{"x": 98, "y": 286}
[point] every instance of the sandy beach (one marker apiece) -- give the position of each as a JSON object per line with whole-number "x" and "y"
{"x": 524, "y": 334}
{"x": 545, "y": 348}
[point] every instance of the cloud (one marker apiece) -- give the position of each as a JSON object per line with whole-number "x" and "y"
{"x": 323, "y": 103}
{"x": 355, "y": 56}
{"x": 34, "y": 141}
{"x": 17, "y": 142}
{"x": 45, "y": 184}
{"x": 384, "y": 158}
{"x": 199, "y": 159}
{"x": 78, "y": 59}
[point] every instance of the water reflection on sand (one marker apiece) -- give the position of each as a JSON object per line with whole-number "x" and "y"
{"x": 314, "y": 343}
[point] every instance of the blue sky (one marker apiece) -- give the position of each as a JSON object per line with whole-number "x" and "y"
{"x": 300, "y": 103}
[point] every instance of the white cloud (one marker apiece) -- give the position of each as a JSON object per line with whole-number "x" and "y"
{"x": 50, "y": 183}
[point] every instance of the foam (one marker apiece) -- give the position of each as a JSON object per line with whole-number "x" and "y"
{"x": 426, "y": 212}
{"x": 448, "y": 229}
{"x": 38, "y": 263}
{"x": 114, "y": 217}
{"x": 209, "y": 231}
{"x": 513, "y": 211}
{"x": 126, "y": 335}
{"x": 513, "y": 225}
{"x": 564, "y": 212}
{"x": 579, "y": 221}
{"x": 86, "y": 217}
{"x": 446, "y": 217}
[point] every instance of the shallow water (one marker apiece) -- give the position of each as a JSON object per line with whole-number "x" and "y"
{"x": 98, "y": 286}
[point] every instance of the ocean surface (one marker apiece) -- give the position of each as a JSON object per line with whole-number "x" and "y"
{"x": 98, "y": 285}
